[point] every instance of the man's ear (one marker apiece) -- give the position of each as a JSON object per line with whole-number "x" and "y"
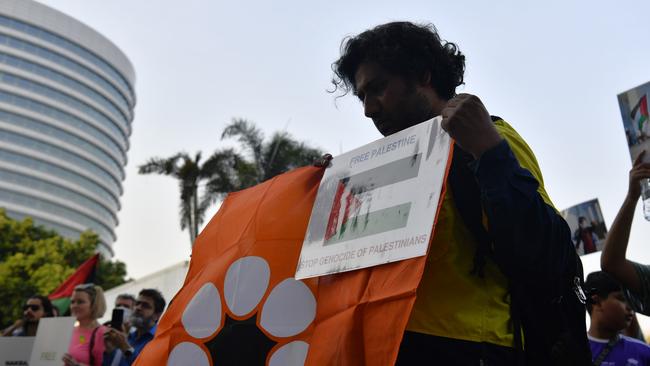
{"x": 595, "y": 300}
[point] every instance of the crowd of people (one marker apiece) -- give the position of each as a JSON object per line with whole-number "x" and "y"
{"x": 502, "y": 284}
{"x": 92, "y": 343}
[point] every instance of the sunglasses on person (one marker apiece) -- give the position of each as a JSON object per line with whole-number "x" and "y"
{"x": 31, "y": 307}
{"x": 86, "y": 287}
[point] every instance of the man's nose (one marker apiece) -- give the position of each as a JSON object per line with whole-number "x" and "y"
{"x": 371, "y": 106}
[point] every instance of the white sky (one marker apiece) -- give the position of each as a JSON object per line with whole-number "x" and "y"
{"x": 552, "y": 69}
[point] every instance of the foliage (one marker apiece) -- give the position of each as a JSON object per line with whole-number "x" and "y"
{"x": 228, "y": 170}
{"x": 35, "y": 260}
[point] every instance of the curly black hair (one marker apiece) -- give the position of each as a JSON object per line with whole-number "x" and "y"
{"x": 158, "y": 299}
{"x": 405, "y": 49}
{"x": 47, "y": 304}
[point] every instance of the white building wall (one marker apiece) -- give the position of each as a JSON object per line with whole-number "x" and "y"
{"x": 168, "y": 281}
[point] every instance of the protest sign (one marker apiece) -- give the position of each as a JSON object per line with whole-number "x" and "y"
{"x": 15, "y": 351}
{"x": 588, "y": 230}
{"x": 52, "y": 341}
{"x": 240, "y": 305}
{"x": 636, "y": 120}
{"x": 377, "y": 204}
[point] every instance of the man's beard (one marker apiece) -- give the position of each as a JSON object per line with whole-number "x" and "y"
{"x": 29, "y": 321}
{"x": 141, "y": 322}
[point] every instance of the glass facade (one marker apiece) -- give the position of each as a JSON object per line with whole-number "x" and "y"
{"x": 65, "y": 121}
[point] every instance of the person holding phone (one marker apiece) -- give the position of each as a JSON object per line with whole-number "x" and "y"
{"x": 123, "y": 347}
{"x": 124, "y": 304}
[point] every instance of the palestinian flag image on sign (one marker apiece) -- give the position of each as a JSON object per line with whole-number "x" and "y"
{"x": 377, "y": 204}
{"x": 241, "y": 305}
{"x": 633, "y": 104}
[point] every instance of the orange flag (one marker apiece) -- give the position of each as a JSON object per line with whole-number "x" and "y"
{"x": 240, "y": 304}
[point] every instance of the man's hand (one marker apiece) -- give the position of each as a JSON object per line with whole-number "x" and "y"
{"x": 640, "y": 171}
{"x": 323, "y": 161}
{"x": 117, "y": 339}
{"x": 10, "y": 329}
{"x": 468, "y": 122}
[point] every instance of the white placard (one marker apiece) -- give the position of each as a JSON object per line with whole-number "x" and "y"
{"x": 376, "y": 204}
{"x": 15, "y": 351}
{"x": 52, "y": 341}
{"x": 588, "y": 230}
{"x": 636, "y": 120}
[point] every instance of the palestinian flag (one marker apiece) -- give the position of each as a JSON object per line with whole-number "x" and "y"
{"x": 84, "y": 274}
{"x": 354, "y": 198}
{"x": 639, "y": 113}
{"x": 241, "y": 305}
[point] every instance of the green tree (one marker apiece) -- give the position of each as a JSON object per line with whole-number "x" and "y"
{"x": 34, "y": 260}
{"x": 228, "y": 170}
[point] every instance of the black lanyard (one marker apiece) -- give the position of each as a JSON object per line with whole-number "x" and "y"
{"x": 608, "y": 347}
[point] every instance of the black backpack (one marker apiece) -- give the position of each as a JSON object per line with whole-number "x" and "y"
{"x": 547, "y": 305}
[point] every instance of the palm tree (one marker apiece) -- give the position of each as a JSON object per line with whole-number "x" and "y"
{"x": 189, "y": 172}
{"x": 227, "y": 170}
{"x": 261, "y": 160}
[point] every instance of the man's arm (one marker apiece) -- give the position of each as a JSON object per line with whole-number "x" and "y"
{"x": 528, "y": 234}
{"x": 10, "y": 329}
{"x": 613, "y": 259}
{"x": 524, "y": 229}
{"x": 119, "y": 341}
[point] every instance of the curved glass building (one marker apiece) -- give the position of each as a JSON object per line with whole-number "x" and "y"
{"x": 66, "y": 107}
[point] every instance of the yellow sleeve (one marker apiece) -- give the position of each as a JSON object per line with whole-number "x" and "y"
{"x": 524, "y": 155}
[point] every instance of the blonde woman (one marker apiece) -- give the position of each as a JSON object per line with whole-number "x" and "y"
{"x": 87, "y": 344}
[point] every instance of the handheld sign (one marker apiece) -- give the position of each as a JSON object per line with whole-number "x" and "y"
{"x": 636, "y": 119}
{"x": 15, "y": 351}
{"x": 588, "y": 230}
{"x": 377, "y": 204}
{"x": 52, "y": 341}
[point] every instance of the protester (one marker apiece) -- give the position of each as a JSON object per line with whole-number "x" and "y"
{"x": 126, "y": 301}
{"x": 123, "y": 349}
{"x": 634, "y": 277}
{"x": 87, "y": 344}
{"x": 610, "y": 315}
{"x": 585, "y": 234}
{"x": 404, "y": 74}
{"x": 35, "y": 308}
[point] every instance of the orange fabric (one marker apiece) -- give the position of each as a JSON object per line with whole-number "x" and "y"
{"x": 360, "y": 315}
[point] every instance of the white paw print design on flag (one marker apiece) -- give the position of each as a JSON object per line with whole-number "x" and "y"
{"x": 287, "y": 310}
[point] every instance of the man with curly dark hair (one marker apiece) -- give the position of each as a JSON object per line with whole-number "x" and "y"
{"x": 497, "y": 236}
{"x": 36, "y": 307}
